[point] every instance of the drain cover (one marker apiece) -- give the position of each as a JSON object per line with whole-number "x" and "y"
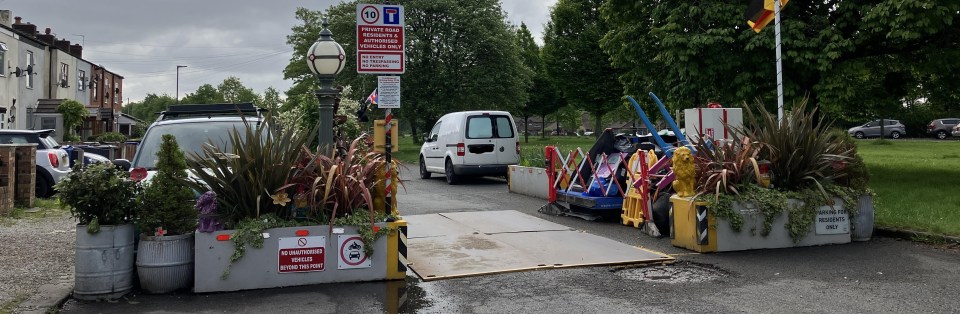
{"x": 676, "y": 273}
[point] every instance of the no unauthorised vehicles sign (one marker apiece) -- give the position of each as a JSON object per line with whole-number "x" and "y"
{"x": 301, "y": 254}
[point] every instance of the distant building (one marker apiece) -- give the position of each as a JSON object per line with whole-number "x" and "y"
{"x": 40, "y": 71}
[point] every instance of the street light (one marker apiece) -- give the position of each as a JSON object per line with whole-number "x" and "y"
{"x": 178, "y": 81}
{"x": 325, "y": 59}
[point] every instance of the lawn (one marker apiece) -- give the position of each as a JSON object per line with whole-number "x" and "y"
{"x": 915, "y": 180}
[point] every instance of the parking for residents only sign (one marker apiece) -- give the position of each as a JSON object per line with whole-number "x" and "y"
{"x": 380, "y": 45}
{"x": 301, "y": 254}
{"x": 832, "y": 220}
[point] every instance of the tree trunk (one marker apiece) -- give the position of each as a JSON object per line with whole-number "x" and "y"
{"x": 543, "y": 126}
{"x": 417, "y": 137}
{"x": 526, "y": 129}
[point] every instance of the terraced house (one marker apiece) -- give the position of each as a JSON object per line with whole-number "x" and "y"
{"x": 39, "y": 71}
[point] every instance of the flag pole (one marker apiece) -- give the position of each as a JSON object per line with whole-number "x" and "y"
{"x": 776, "y": 14}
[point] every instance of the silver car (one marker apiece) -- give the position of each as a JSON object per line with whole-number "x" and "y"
{"x": 891, "y": 128}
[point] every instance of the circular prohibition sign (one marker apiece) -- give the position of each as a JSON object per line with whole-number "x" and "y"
{"x": 343, "y": 255}
{"x": 370, "y": 15}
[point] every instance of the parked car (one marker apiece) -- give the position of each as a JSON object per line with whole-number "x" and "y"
{"x": 53, "y": 163}
{"x": 892, "y": 129}
{"x": 956, "y": 130}
{"x": 470, "y": 143}
{"x": 193, "y": 126}
{"x": 942, "y": 128}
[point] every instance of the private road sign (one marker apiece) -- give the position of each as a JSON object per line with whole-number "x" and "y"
{"x": 380, "y": 46}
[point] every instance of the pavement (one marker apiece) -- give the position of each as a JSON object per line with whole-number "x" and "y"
{"x": 884, "y": 275}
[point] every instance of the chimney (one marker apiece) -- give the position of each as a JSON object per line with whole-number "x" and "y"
{"x": 46, "y": 37}
{"x": 5, "y": 18}
{"x": 26, "y": 28}
{"x": 63, "y": 45}
{"x": 77, "y": 51}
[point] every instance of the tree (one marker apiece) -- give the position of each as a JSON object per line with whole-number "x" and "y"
{"x": 233, "y": 91}
{"x": 855, "y": 59}
{"x": 148, "y": 108}
{"x": 270, "y": 100}
{"x": 73, "y": 115}
{"x": 460, "y": 55}
{"x": 530, "y": 54}
{"x": 573, "y": 57}
{"x": 205, "y": 94}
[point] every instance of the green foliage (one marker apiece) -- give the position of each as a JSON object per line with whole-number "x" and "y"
{"x": 365, "y": 227}
{"x": 722, "y": 167}
{"x": 802, "y": 151}
{"x": 73, "y": 115}
{"x": 166, "y": 202}
{"x": 147, "y": 109}
{"x": 205, "y": 94}
{"x": 99, "y": 194}
{"x": 111, "y": 137}
{"x": 461, "y": 55}
{"x": 572, "y": 54}
{"x": 245, "y": 177}
{"x": 249, "y": 233}
{"x": 858, "y": 59}
{"x": 233, "y": 91}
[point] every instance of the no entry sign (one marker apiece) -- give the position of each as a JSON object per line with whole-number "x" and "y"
{"x": 380, "y": 46}
{"x": 301, "y": 254}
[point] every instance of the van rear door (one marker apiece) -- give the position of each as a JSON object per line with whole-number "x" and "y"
{"x": 480, "y": 141}
{"x": 506, "y": 140}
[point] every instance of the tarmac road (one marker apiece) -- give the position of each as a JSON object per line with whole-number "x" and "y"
{"x": 880, "y": 276}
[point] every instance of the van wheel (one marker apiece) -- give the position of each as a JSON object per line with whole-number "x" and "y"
{"x": 941, "y": 135}
{"x": 452, "y": 178}
{"x": 895, "y": 135}
{"x": 423, "y": 169}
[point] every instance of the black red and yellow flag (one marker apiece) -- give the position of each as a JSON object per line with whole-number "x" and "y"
{"x": 760, "y": 13}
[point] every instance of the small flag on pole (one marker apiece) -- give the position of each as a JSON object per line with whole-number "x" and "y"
{"x": 760, "y": 13}
{"x": 373, "y": 98}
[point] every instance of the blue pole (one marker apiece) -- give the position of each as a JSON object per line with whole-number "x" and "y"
{"x": 653, "y": 130}
{"x": 671, "y": 122}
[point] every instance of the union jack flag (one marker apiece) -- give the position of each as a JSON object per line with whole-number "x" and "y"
{"x": 373, "y": 98}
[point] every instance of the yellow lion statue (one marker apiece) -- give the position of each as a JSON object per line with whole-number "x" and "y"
{"x": 683, "y": 169}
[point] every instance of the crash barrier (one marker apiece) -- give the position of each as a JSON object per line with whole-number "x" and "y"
{"x": 608, "y": 183}
{"x": 299, "y": 256}
{"x": 529, "y": 181}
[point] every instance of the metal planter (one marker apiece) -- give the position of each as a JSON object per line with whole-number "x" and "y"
{"x": 104, "y": 263}
{"x": 165, "y": 263}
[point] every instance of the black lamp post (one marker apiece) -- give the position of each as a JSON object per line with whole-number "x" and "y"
{"x": 325, "y": 59}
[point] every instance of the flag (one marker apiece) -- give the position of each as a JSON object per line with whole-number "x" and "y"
{"x": 760, "y": 13}
{"x": 373, "y": 98}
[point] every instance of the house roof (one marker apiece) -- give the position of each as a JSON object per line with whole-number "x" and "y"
{"x": 48, "y": 105}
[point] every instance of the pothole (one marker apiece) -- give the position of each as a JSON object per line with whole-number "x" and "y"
{"x": 675, "y": 273}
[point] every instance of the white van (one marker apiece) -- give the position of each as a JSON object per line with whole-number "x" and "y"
{"x": 470, "y": 143}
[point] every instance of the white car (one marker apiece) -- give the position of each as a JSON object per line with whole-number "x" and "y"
{"x": 470, "y": 143}
{"x": 53, "y": 163}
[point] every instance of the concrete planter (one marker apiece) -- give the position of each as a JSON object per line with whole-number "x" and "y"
{"x": 697, "y": 228}
{"x": 298, "y": 256}
{"x": 529, "y": 181}
{"x": 165, "y": 264}
{"x": 104, "y": 263}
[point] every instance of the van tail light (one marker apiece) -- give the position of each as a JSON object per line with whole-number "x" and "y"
{"x": 518, "y": 148}
{"x": 54, "y": 159}
{"x": 461, "y": 149}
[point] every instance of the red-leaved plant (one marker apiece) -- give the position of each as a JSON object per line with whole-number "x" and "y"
{"x": 722, "y": 166}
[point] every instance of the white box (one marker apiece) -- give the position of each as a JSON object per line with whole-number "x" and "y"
{"x": 709, "y": 122}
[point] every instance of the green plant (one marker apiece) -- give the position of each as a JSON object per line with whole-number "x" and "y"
{"x": 165, "y": 203}
{"x": 71, "y": 138}
{"x": 722, "y": 167}
{"x": 249, "y": 233}
{"x": 245, "y": 178}
{"x": 802, "y": 151}
{"x": 368, "y": 232}
{"x": 73, "y": 114}
{"x": 111, "y": 137}
{"x": 99, "y": 194}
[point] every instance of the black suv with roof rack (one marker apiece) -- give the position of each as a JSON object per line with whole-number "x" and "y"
{"x": 193, "y": 126}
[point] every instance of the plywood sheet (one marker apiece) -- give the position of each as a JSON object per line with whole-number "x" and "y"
{"x": 503, "y": 221}
{"x": 433, "y": 225}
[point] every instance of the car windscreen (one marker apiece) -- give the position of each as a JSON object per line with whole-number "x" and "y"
{"x": 190, "y": 137}
{"x": 489, "y": 126}
{"x": 51, "y": 143}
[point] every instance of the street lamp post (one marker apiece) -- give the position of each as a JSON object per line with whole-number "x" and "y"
{"x": 178, "y": 81}
{"x": 325, "y": 59}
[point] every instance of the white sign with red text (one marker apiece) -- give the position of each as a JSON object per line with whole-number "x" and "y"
{"x": 301, "y": 254}
{"x": 380, "y": 44}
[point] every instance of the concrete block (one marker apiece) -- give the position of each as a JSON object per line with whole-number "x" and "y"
{"x": 529, "y": 181}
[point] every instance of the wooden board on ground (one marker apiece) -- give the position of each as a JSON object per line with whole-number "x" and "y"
{"x": 509, "y": 241}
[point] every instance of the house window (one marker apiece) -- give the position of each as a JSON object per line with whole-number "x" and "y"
{"x": 81, "y": 80}
{"x": 116, "y": 92}
{"x": 3, "y": 62}
{"x": 106, "y": 90}
{"x": 3, "y": 120}
{"x": 30, "y": 63}
{"x": 94, "y": 88}
{"x": 64, "y": 75}
{"x": 47, "y": 123}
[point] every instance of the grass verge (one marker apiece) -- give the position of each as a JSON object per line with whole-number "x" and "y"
{"x": 916, "y": 183}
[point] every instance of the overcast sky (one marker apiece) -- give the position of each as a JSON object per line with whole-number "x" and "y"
{"x": 144, "y": 41}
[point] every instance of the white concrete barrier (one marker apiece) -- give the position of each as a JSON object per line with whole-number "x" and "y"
{"x": 529, "y": 181}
